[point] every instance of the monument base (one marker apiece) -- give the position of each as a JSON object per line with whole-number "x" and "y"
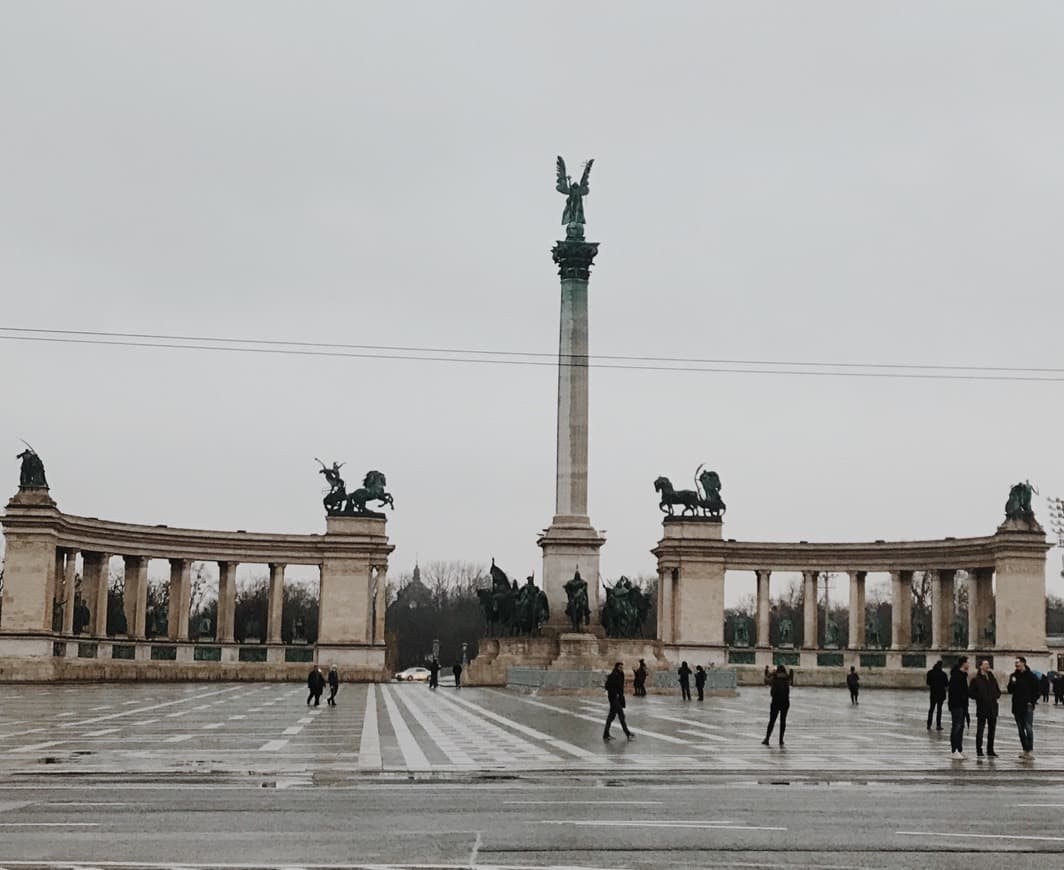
{"x": 570, "y": 544}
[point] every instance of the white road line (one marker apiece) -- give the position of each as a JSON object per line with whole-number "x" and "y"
{"x": 413, "y": 757}
{"x": 306, "y": 720}
{"x": 295, "y": 729}
{"x": 101, "y": 732}
{"x": 33, "y": 747}
{"x": 668, "y": 738}
{"x": 154, "y": 707}
{"x": 591, "y": 803}
{"x": 146, "y": 722}
{"x": 179, "y": 738}
{"x": 689, "y": 824}
{"x": 454, "y": 753}
{"x": 48, "y": 825}
{"x": 238, "y": 717}
{"x": 273, "y": 745}
{"x": 979, "y": 836}
{"x": 521, "y": 728}
{"x": 214, "y": 725}
{"x": 369, "y": 745}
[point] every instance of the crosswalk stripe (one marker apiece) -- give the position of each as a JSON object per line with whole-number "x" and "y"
{"x": 369, "y": 746}
{"x": 413, "y": 757}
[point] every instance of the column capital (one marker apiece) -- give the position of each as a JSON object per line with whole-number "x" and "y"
{"x": 574, "y": 258}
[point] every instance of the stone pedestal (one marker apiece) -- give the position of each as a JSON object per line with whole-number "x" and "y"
{"x": 570, "y": 544}
{"x": 356, "y": 560}
{"x": 29, "y": 565}
{"x": 691, "y": 578}
{"x": 1020, "y": 593}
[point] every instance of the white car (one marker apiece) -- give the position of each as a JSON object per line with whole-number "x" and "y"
{"x": 420, "y": 675}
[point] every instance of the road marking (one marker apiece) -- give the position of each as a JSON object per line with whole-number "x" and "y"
{"x": 295, "y": 729}
{"x": 179, "y": 738}
{"x": 33, "y": 747}
{"x": 413, "y": 757}
{"x": 146, "y": 722}
{"x": 154, "y": 707}
{"x": 587, "y": 803}
{"x": 980, "y": 836}
{"x": 48, "y": 825}
{"x": 214, "y": 725}
{"x": 454, "y": 753}
{"x": 668, "y": 738}
{"x": 306, "y": 720}
{"x": 238, "y": 717}
{"x": 369, "y": 745}
{"x": 685, "y": 823}
{"x": 101, "y": 732}
{"x": 273, "y": 745}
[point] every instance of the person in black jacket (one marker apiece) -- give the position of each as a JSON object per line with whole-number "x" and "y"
{"x": 1023, "y": 686}
{"x": 1044, "y": 686}
{"x": 334, "y": 685}
{"x": 937, "y": 681}
{"x": 780, "y": 693}
{"x": 685, "y": 681}
{"x": 700, "y": 682}
{"x": 985, "y": 691}
{"x": 315, "y": 685}
{"x": 957, "y": 690}
{"x": 434, "y": 674}
{"x": 615, "y": 695}
{"x": 853, "y": 683}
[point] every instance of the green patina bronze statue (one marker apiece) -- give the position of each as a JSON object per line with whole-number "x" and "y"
{"x": 740, "y": 631}
{"x": 626, "y": 609}
{"x": 509, "y": 610}
{"x": 1018, "y": 507}
{"x": 577, "y": 608}
{"x": 704, "y": 498}
{"x": 573, "y": 215}
{"x": 31, "y": 473}
{"x": 339, "y": 502}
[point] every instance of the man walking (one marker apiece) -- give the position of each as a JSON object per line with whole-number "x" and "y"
{"x": 434, "y": 674}
{"x": 457, "y": 671}
{"x": 985, "y": 691}
{"x": 334, "y": 685}
{"x": 639, "y": 680}
{"x": 853, "y": 683}
{"x": 615, "y": 695}
{"x": 957, "y": 691}
{"x": 315, "y": 686}
{"x": 700, "y": 682}
{"x": 780, "y": 695}
{"x": 937, "y": 681}
{"x": 1023, "y": 686}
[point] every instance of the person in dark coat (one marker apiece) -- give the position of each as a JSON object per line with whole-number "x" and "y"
{"x": 615, "y": 695}
{"x": 457, "y": 671}
{"x": 780, "y": 693}
{"x": 685, "y": 681}
{"x": 984, "y": 690}
{"x": 700, "y": 682}
{"x": 853, "y": 683}
{"x": 957, "y": 692}
{"x": 1044, "y": 686}
{"x": 334, "y": 685}
{"x": 315, "y": 686}
{"x": 937, "y": 681}
{"x": 434, "y": 674}
{"x": 1023, "y": 686}
{"x": 1058, "y": 689}
{"x": 639, "y": 680}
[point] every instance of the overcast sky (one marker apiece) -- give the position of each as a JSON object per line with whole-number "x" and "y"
{"x": 823, "y": 181}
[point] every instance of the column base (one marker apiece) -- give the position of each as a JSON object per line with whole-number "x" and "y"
{"x": 570, "y": 544}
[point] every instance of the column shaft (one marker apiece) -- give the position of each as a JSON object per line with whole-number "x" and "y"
{"x": 901, "y": 610}
{"x": 226, "y": 602}
{"x": 180, "y": 599}
{"x": 276, "y": 607}
{"x": 857, "y": 609}
{"x": 69, "y": 583}
{"x": 810, "y": 626}
{"x": 381, "y": 599}
{"x": 975, "y": 639}
{"x": 571, "y": 497}
{"x": 665, "y": 628}
{"x": 94, "y": 591}
{"x": 136, "y": 596}
{"x": 54, "y": 589}
{"x": 763, "y": 608}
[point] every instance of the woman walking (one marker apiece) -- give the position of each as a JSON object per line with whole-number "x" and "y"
{"x": 780, "y": 692}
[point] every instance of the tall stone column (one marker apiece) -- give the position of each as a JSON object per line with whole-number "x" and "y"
{"x": 901, "y": 609}
{"x": 980, "y": 606}
{"x": 942, "y": 606}
{"x": 276, "y": 605}
{"x": 857, "y": 609}
{"x": 665, "y": 630}
{"x": 570, "y": 543}
{"x": 180, "y": 599}
{"x": 54, "y": 590}
{"x": 224, "y": 631}
{"x": 380, "y": 608}
{"x": 136, "y": 595}
{"x": 763, "y": 608}
{"x": 810, "y": 624}
{"x": 70, "y": 581}
{"x": 94, "y": 591}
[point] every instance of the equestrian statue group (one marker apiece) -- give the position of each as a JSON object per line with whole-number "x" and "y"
{"x": 339, "y": 502}
{"x": 512, "y": 610}
{"x": 703, "y": 500}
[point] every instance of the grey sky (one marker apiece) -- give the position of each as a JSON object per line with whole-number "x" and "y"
{"x": 816, "y": 181}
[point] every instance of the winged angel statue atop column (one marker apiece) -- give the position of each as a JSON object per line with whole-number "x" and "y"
{"x": 573, "y": 216}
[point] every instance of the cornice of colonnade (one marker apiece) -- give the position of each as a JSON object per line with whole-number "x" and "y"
{"x": 686, "y": 539}
{"x": 353, "y": 536}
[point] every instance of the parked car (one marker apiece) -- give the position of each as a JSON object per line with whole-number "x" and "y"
{"x": 420, "y": 675}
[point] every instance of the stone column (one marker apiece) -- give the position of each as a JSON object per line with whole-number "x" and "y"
{"x": 763, "y": 608}
{"x": 226, "y": 602}
{"x": 381, "y": 606}
{"x": 136, "y": 596}
{"x": 857, "y": 609}
{"x": 980, "y": 606}
{"x": 276, "y": 608}
{"x": 1019, "y": 601}
{"x": 70, "y": 581}
{"x": 901, "y": 610}
{"x": 942, "y": 607}
{"x": 811, "y": 610}
{"x": 665, "y": 629}
{"x": 180, "y": 599}
{"x": 94, "y": 591}
{"x": 54, "y": 588}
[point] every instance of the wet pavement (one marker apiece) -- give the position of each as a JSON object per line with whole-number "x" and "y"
{"x": 246, "y": 775}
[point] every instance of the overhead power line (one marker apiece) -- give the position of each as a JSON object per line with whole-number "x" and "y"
{"x": 482, "y": 356}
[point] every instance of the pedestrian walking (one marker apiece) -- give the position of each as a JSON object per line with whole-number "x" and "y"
{"x": 434, "y": 674}
{"x": 615, "y": 695}
{"x": 1058, "y": 689}
{"x": 937, "y": 682}
{"x": 853, "y": 683}
{"x": 685, "y": 681}
{"x": 315, "y": 686}
{"x": 768, "y": 676}
{"x": 334, "y": 685}
{"x": 700, "y": 682}
{"x": 984, "y": 690}
{"x": 1044, "y": 685}
{"x": 457, "y": 671}
{"x": 780, "y": 695}
{"x": 1023, "y": 686}
{"x": 639, "y": 680}
{"x": 957, "y": 692}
